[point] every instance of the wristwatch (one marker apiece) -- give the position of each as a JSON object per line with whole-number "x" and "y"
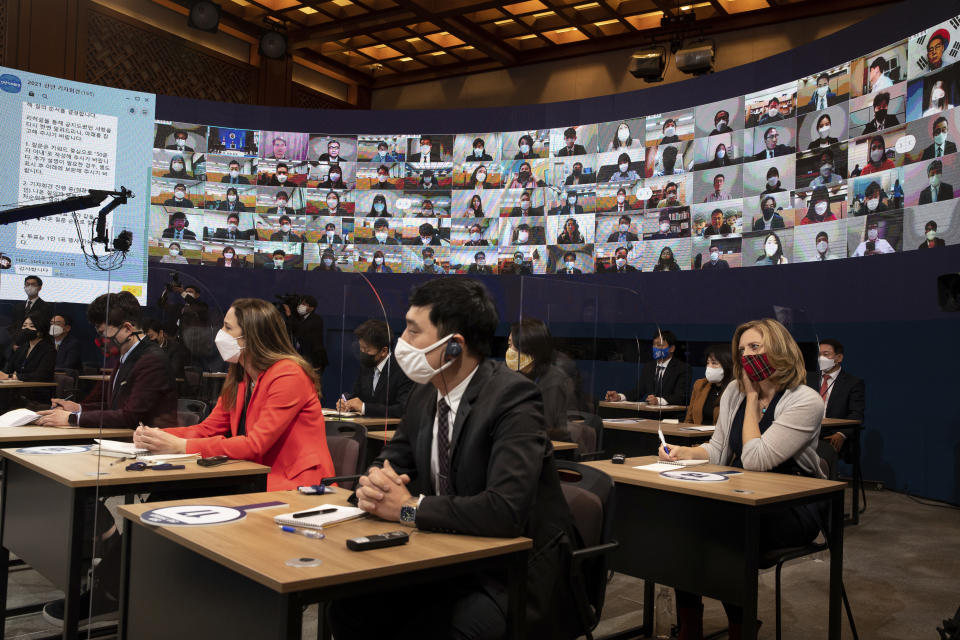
{"x": 408, "y": 513}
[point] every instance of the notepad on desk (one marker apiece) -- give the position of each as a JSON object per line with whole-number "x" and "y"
{"x": 18, "y": 418}
{"x": 117, "y": 449}
{"x": 318, "y": 517}
{"x": 699, "y": 428}
{"x": 342, "y": 414}
{"x": 669, "y": 465}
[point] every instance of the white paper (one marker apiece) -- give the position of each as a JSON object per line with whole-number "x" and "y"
{"x": 670, "y": 466}
{"x": 699, "y": 428}
{"x": 18, "y": 418}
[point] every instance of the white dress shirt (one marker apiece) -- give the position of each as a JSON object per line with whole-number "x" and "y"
{"x": 453, "y": 400}
{"x": 831, "y": 379}
{"x": 377, "y": 372}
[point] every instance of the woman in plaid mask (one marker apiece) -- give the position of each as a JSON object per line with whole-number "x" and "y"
{"x": 769, "y": 421}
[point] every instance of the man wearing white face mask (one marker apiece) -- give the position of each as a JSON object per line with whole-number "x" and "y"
{"x": 33, "y": 304}
{"x": 941, "y": 146}
{"x": 67, "y": 346}
{"x": 930, "y": 239}
{"x": 826, "y": 174}
{"x": 470, "y": 456}
{"x": 480, "y": 266}
{"x": 938, "y": 190}
{"x": 669, "y": 131}
{"x": 233, "y": 174}
{"x": 843, "y": 394}
{"x": 620, "y": 264}
{"x": 872, "y": 243}
{"x": 715, "y": 261}
{"x": 822, "y": 96}
{"x": 308, "y": 333}
{"x": 479, "y": 154}
{"x": 772, "y": 113}
{"x": 426, "y": 151}
{"x": 822, "y": 245}
{"x": 330, "y": 235}
{"x": 623, "y": 232}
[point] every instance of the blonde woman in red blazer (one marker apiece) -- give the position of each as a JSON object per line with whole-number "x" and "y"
{"x": 282, "y": 426}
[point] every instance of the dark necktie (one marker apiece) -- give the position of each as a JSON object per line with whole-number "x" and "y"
{"x": 660, "y": 370}
{"x": 939, "y": 151}
{"x": 27, "y": 308}
{"x": 824, "y": 387}
{"x": 443, "y": 448}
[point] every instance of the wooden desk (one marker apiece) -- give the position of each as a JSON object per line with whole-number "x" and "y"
{"x": 365, "y": 421}
{"x": 102, "y": 377}
{"x": 20, "y": 384}
{"x": 45, "y": 499}
{"x": 216, "y": 375}
{"x": 832, "y": 425}
{"x": 30, "y": 435}
{"x": 386, "y": 436}
{"x": 702, "y": 537}
{"x": 640, "y": 437}
{"x": 628, "y": 409}
{"x": 232, "y": 580}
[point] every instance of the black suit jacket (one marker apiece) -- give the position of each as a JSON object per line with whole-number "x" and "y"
{"x": 37, "y": 366}
{"x": 945, "y": 192}
{"x": 504, "y": 482}
{"x": 178, "y": 356}
{"x": 889, "y": 121}
{"x": 140, "y": 389}
{"x": 847, "y": 401}
{"x": 779, "y": 150}
{"x": 389, "y": 399}
{"x": 675, "y": 387}
{"x": 224, "y": 234}
{"x": 19, "y": 313}
{"x": 937, "y": 243}
{"x": 930, "y": 152}
{"x": 69, "y": 354}
{"x": 578, "y": 150}
{"x": 308, "y": 334}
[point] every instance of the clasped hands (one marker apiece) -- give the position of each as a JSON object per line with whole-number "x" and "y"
{"x": 158, "y": 441}
{"x": 383, "y": 491}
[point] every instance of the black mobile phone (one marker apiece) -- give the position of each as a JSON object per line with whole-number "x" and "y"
{"x": 365, "y": 543}
{"x": 212, "y": 461}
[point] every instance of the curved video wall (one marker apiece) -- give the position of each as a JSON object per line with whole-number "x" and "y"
{"x": 857, "y": 160}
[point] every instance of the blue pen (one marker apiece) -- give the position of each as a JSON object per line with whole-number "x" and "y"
{"x": 663, "y": 441}
{"x": 309, "y": 533}
{"x": 313, "y": 489}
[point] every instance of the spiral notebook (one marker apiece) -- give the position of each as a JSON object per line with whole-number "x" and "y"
{"x": 320, "y": 520}
{"x": 668, "y": 465}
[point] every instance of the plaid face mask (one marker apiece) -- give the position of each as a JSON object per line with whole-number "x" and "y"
{"x": 757, "y": 366}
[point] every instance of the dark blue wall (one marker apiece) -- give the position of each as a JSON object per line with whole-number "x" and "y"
{"x": 883, "y": 308}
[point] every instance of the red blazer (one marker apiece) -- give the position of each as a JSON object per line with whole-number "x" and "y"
{"x": 285, "y": 429}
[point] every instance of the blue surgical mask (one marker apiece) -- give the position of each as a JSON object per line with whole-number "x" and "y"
{"x": 661, "y": 353}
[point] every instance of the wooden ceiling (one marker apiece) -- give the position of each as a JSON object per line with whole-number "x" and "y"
{"x": 383, "y": 43}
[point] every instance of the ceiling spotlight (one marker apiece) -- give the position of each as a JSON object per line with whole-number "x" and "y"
{"x": 648, "y": 63}
{"x": 204, "y": 16}
{"x": 273, "y": 45}
{"x": 696, "y": 58}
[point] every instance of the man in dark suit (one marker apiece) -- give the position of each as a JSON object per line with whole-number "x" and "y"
{"x": 623, "y": 233}
{"x": 308, "y": 333}
{"x": 472, "y": 446}
{"x": 571, "y": 148}
{"x": 233, "y": 232}
{"x": 843, "y": 394}
{"x": 427, "y": 152}
{"x": 941, "y": 146}
{"x": 33, "y": 304}
{"x": 480, "y": 266}
{"x": 139, "y": 390}
{"x": 178, "y": 228}
{"x": 881, "y": 120}
{"x": 67, "y": 346}
{"x": 937, "y": 191}
{"x": 772, "y": 147}
{"x": 381, "y": 389}
{"x": 822, "y": 96}
{"x": 663, "y": 380}
{"x": 165, "y": 337}
{"x": 233, "y": 176}
{"x": 620, "y": 264}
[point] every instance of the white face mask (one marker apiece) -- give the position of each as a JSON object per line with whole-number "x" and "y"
{"x": 381, "y": 177}
{"x": 425, "y": 240}
{"x": 664, "y": 226}
{"x": 234, "y": 174}
{"x": 331, "y": 233}
{"x": 623, "y": 134}
{"x": 332, "y": 204}
{"x": 876, "y": 155}
{"x": 228, "y": 346}
{"x": 378, "y": 261}
{"x": 414, "y": 362}
{"x": 285, "y": 228}
{"x": 570, "y": 266}
{"x": 721, "y": 124}
{"x": 714, "y": 256}
{"x": 826, "y": 363}
{"x": 522, "y": 236}
{"x": 824, "y": 131}
{"x": 524, "y": 148}
{"x": 721, "y": 153}
{"x": 179, "y": 194}
{"x": 174, "y": 252}
{"x": 624, "y": 167}
{"x": 231, "y": 227}
{"x": 381, "y": 236}
{"x": 327, "y": 262}
{"x": 937, "y": 94}
{"x": 481, "y": 177}
{"x": 281, "y": 178}
{"x": 624, "y": 228}
{"x": 873, "y": 203}
{"x": 872, "y": 234}
{"x": 714, "y": 374}
{"x": 770, "y": 248}
{"x": 231, "y": 198}
{"x": 278, "y": 264}
{"x": 228, "y": 256}
{"x": 178, "y": 166}
{"x": 571, "y": 200}
{"x": 621, "y": 199}
{"x": 820, "y": 208}
{"x": 823, "y": 90}
{"x": 524, "y": 204}
{"x": 931, "y": 235}
{"x": 181, "y": 143}
{"x": 31, "y": 290}
{"x": 822, "y": 247}
{"x": 621, "y": 262}
{"x": 772, "y": 182}
{"x": 669, "y": 131}
{"x": 475, "y": 237}
{"x": 772, "y": 111}
{"x": 334, "y": 177}
{"x": 940, "y": 138}
{"x": 56, "y": 330}
{"x": 478, "y": 152}
{"x": 302, "y": 310}
{"x": 826, "y": 170}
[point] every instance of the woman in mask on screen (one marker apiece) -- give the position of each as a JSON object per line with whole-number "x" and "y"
{"x": 378, "y": 209}
{"x": 623, "y": 139}
{"x": 269, "y": 408}
{"x": 379, "y": 263}
{"x": 174, "y": 254}
{"x": 666, "y": 262}
{"x": 772, "y": 251}
{"x": 178, "y": 168}
{"x": 877, "y": 159}
{"x": 938, "y": 101}
{"x": 769, "y": 420}
{"x": 819, "y": 210}
{"x": 704, "y": 407}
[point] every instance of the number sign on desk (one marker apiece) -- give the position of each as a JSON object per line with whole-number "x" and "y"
{"x": 693, "y": 476}
{"x": 48, "y": 450}
{"x": 192, "y": 515}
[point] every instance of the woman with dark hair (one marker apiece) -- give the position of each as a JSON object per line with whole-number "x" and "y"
{"x": 666, "y": 261}
{"x": 773, "y": 182}
{"x": 823, "y": 138}
{"x": 35, "y": 357}
{"x": 704, "y": 404}
{"x": 525, "y": 144}
{"x": 174, "y": 254}
{"x": 623, "y": 138}
{"x": 269, "y": 408}
{"x": 478, "y": 178}
{"x": 378, "y": 209}
{"x": 328, "y": 261}
{"x": 178, "y": 168}
{"x": 333, "y": 179}
{"x": 229, "y": 258}
{"x": 877, "y": 159}
{"x": 720, "y": 157}
{"x": 769, "y": 420}
{"x": 476, "y": 207}
{"x": 571, "y": 233}
{"x": 232, "y": 202}
{"x": 530, "y": 351}
{"x": 819, "y": 210}
{"x": 772, "y": 251}
{"x": 525, "y": 178}
{"x": 379, "y": 264}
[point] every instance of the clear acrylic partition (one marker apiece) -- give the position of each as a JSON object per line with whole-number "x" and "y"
{"x": 600, "y": 336}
